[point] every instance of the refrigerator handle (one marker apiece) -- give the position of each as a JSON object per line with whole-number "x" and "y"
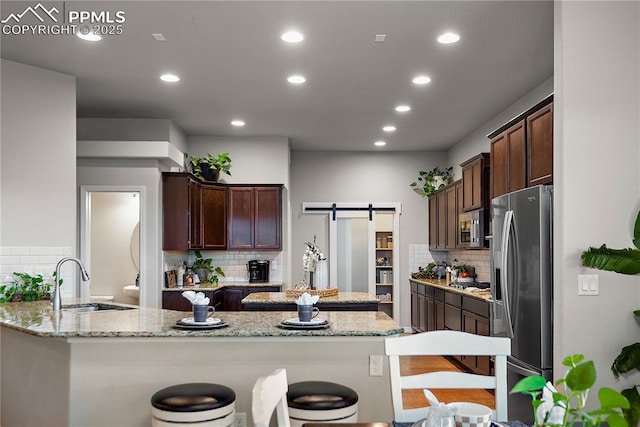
{"x": 508, "y": 219}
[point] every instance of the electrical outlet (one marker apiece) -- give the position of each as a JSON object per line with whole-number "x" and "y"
{"x": 240, "y": 420}
{"x": 375, "y": 365}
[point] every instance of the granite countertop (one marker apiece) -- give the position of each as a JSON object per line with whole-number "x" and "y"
{"x": 38, "y": 318}
{"x": 223, "y": 285}
{"x": 281, "y": 297}
{"x": 484, "y": 294}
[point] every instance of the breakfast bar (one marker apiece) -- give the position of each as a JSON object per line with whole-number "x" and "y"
{"x": 280, "y": 301}
{"x": 59, "y": 369}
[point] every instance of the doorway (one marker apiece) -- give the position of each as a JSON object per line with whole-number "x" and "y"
{"x": 110, "y": 243}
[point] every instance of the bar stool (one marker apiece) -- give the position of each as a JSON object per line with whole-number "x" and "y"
{"x": 193, "y": 404}
{"x": 321, "y": 401}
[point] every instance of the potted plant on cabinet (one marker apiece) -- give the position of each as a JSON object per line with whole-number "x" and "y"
{"x": 209, "y": 167}
{"x": 623, "y": 261}
{"x": 433, "y": 180}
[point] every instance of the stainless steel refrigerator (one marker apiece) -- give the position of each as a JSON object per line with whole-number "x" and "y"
{"x": 522, "y": 286}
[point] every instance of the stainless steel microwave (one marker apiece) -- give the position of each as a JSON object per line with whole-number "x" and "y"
{"x": 472, "y": 228}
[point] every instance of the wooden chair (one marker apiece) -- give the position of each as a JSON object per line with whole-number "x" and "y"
{"x": 447, "y": 343}
{"x": 269, "y": 393}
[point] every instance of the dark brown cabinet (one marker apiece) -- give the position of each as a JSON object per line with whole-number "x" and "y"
{"x": 227, "y": 298}
{"x": 508, "y": 160}
{"x": 475, "y": 183}
{"x": 214, "y": 217}
{"x": 522, "y": 150}
{"x": 199, "y": 215}
{"x": 181, "y": 216}
{"x": 173, "y": 300}
{"x": 435, "y": 308}
{"x": 540, "y": 146}
{"x": 443, "y": 218}
{"x": 255, "y": 217}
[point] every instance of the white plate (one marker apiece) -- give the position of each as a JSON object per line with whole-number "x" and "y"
{"x": 189, "y": 321}
{"x": 296, "y": 322}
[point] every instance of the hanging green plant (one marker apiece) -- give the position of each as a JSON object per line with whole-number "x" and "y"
{"x": 433, "y": 180}
{"x": 208, "y": 167}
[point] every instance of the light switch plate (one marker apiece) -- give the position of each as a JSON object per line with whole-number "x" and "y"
{"x": 588, "y": 285}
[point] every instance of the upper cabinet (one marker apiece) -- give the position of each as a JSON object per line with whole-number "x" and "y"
{"x": 522, "y": 150}
{"x": 475, "y": 183}
{"x": 540, "y": 146}
{"x": 255, "y": 217}
{"x": 199, "y": 215}
{"x": 443, "y": 217}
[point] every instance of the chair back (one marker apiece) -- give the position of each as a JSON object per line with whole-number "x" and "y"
{"x": 447, "y": 343}
{"x": 269, "y": 393}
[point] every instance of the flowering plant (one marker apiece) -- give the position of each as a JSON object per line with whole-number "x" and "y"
{"x": 311, "y": 256}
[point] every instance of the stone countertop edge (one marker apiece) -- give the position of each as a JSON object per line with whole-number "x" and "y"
{"x": 281, "y": 298}
{"x": 484, "y": 295}
{"x": 37, "y": 318}
{"x": 220, "y": 285}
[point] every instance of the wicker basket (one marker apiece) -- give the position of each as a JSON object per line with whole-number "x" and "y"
{"x": 295, "y": 293}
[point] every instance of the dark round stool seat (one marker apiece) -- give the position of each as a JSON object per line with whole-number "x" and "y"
{"x": 320, "y": 396}
{"x": 321, "y": 401}
{"x": 193, "y": 402}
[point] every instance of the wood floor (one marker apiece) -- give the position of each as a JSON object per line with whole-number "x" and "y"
{"x": 410, "y": 365}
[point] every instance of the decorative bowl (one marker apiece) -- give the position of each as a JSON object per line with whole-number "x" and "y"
{"x": 467, "y": 414}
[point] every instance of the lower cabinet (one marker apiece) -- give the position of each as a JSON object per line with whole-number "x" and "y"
{"x": 434, "y": 308}
{"x": 227, "y": 298}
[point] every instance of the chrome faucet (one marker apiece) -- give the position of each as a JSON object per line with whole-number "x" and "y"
{"x": 57, "y": 298}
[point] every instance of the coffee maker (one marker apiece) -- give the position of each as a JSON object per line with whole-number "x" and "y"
{"x": 258, "y": 270}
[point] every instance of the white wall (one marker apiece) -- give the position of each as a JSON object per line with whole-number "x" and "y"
{"x": 596, "y": 175}
{"x": 38, "y": 157}
{"x": 37, "y": 171}
{"x": 360, "y": 177}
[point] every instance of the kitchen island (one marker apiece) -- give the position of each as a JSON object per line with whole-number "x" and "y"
{"x": 279, "y": 301}
{"x": 101, "y": 368}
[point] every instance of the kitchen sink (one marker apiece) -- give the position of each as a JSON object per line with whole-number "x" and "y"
{"x": 92, "y": 307}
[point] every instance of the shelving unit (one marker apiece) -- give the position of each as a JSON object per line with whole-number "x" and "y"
{"x": 385, "y": 270}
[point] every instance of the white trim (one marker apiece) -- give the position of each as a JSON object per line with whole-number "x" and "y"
{"x": 83, "y": 292}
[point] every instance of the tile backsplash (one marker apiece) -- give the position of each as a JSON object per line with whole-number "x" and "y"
{"x": 233, "y": 263}
{"x": 39, "y": 260}
{"x": 420, "y": 256}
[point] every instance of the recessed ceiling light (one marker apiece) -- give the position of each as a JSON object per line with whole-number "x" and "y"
{"x": 296, "y": 79}
{"x": 448, "y": 38}
{"x": 90, "y": 37}
{"x": 292, "y": 36}
{"x": 238, "y": 123}
{"x": 421, "y": 80}
{"x": 169, "y": 78}
{"x": 379, "y": 38}
{"x": 159, "y": 37}
{"x": 389, "y": 128}
{"x": 379, "y": 143}
{"x": 403, "y": 108}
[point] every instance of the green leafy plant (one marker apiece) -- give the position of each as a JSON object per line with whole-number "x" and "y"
{"x": 433, "y": 180}
{"x": 200, "y": 166}
{"x": 571, "y": 396}
{"x": 25, "y": 287}
{"x": 623, "y": 261}
{"x": 206, "y": 265}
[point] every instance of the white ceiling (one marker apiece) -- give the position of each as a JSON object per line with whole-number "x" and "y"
{"x": 233, "y": 64}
